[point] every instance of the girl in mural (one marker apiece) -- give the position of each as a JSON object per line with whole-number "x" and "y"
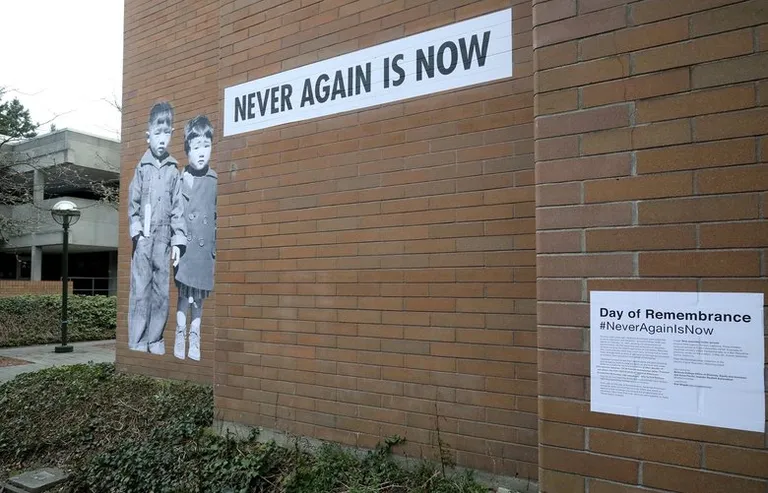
{"x": 194, "y": 269}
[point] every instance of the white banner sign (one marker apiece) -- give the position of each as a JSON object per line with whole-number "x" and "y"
{"x": 686, "y": 357}
{"x": 465, "y": 53}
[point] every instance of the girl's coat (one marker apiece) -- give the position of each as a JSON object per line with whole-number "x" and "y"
{"x": 198, "y": 196}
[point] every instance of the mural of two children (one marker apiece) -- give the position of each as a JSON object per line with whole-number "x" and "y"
{"x": 172, "y": 217}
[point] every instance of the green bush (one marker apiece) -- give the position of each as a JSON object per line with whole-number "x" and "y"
{"x": 65, "y": 415}
{"x": 122, "y": 433}
{"x": 36, "y": 319}
{"x": 181, "y": 459}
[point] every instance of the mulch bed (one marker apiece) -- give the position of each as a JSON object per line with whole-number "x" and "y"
{"x": 6, "y": 361}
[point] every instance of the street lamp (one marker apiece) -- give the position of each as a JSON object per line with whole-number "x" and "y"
{"x": 66, "y": 214}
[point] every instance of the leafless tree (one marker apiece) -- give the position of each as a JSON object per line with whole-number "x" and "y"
{"x": 17, "y": 172}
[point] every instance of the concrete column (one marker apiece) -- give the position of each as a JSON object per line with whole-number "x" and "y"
{"x": 36, "y": 254}
{"x": 112, "y": 273}
{"x": 36, "y": 267}
{"x": 38, "y": 187}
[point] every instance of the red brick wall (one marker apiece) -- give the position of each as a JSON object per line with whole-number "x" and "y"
{"x": 18, "y": 288}
{"x": 170, "y": 53}
{"x": 376, "y": 268}
{"x": 378, "y": 272}
{"x": 651, "y": 174}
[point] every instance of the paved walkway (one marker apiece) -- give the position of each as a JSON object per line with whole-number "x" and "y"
{"x": 43, "y": 356}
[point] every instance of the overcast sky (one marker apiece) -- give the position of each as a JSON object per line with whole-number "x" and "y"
{"x": 64, "y": 58}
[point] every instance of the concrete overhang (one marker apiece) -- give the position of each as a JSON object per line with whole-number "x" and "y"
{"x": 97, "y": 156}
{"x": 97, "y": 229}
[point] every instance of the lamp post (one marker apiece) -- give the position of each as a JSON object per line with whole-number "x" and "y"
{"x": 66, "y": 214}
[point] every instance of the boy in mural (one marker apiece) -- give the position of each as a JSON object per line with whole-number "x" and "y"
{"x": 158, "y": 234}
{"x": 194, "y": 270}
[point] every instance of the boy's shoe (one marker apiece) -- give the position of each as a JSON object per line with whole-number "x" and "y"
{"x": 194, "y": 344}
{"x": 180, "y": 344}
{"x": 157, "y": 347}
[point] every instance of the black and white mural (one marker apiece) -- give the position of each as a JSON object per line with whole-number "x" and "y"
{"x": 173, "y": 212}
{"x": 172, "y": 217}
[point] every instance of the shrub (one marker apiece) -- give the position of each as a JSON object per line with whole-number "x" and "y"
{"x": 122, "y": 433}
{"x": 182, "y": 459}
{"x": 65, "y": 415}
{"x": 36, "y": 319}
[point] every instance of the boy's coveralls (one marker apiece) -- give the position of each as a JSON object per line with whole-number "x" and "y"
{"x": 155, "y": 183}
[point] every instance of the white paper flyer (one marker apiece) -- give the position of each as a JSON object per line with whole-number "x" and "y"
{"x": 686, "y": 357}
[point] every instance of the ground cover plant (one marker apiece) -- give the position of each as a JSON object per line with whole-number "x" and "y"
{"x": 126, "y": 433}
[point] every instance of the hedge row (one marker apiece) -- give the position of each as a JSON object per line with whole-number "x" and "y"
{"x": 36, "y": 319}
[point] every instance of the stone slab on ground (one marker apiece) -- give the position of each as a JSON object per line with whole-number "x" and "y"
{"x": 39, "y": 480}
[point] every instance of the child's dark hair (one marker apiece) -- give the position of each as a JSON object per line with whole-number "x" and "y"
{"x": 199, "y": 126}
{"x": 161, "y": 114}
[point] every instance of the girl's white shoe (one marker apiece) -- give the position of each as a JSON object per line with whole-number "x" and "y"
{"x": 194, "y": 340}
{"x": 178, "y": 347}
{"x": 194, "y": 347}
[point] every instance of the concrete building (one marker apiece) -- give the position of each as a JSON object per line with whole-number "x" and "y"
{"x": 61, "y": 165}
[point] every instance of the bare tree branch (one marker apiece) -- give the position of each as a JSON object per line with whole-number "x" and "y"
{"x": 113, "y": 101}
